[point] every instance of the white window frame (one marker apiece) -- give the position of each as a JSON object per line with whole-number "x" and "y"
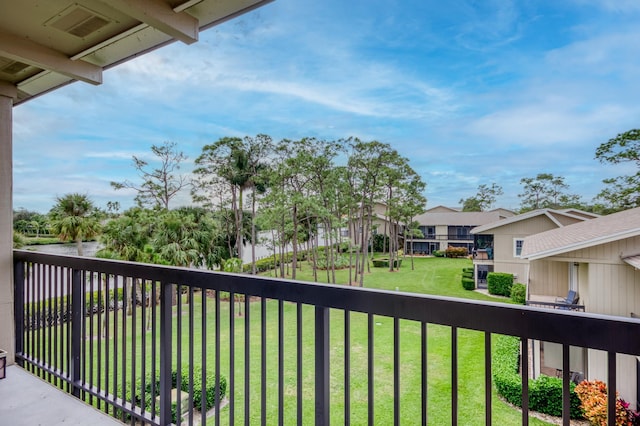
{"x": 515, "y": 247}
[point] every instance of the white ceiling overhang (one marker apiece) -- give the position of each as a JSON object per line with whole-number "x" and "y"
{"x": 47, "y": 44}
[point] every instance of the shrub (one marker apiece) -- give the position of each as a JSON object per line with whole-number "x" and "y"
{"x": 438, "y": 253}
{"x": 519, "y": 293}
{"x": 545, "y": 393}
{"x": 340, "y": 261}
{"x": 499, "y": 283}
{"x": 468, "y": 283}
{"x": 593, "y": 398}
{"x": 210, "y": 390}
{"x": 456, "y": 252}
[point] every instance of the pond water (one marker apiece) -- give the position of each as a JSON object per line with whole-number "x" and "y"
{"x": 90, "y": 248}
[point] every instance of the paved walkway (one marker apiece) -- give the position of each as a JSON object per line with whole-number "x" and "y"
{"x": 27, "y": 400}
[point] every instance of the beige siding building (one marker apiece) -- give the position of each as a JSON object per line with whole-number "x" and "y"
{"x": 498, "y": 245}
{"x": 599, "y": 259}
{"x": 444, "y": 227}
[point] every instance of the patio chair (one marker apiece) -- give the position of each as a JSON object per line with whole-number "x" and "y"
{"x": 571, "y": 299}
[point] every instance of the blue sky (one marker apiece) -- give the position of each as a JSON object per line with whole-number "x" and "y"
{"x": 472, "y": 92}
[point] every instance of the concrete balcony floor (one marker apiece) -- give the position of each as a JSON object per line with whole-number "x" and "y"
{"x": 27, "y": 400}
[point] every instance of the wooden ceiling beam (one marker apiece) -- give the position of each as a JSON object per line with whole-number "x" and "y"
{"x": 159, "y": 15}
{"x": 26, "y": 51}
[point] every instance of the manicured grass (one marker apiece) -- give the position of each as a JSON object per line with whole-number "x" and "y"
{"x": 431, "y": 275}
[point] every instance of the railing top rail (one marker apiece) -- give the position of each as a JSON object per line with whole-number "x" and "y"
{"x": 617, "y": 334}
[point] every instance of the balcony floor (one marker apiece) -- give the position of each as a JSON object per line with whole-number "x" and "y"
{"x": 27, "y": 400}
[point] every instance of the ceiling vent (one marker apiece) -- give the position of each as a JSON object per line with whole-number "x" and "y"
{"x": 13, "y": 68}
{"x": 78, "y": 21}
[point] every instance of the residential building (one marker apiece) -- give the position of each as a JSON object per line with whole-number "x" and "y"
{"x": 37, "y": 57}
{"x": 444, "y": 227}
{"x": 497, "y": 246}
{"x": 599, "y": 260}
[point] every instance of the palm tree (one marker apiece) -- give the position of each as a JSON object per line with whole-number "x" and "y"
{"x": 240, "y": 164}
{"x": 74, "y": 218}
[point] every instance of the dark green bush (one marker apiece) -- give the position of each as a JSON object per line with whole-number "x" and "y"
{"x": 468, "y": 283}
{"x": 499, "y": 283}
{"x": 210, "y": 390}
{"x": 545, "y": 393}
{"x": 545, "y": 396}
{"x": 519, "y": 293}
{"x": 380, "y": 243}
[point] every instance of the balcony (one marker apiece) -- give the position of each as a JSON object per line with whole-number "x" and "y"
{"x": 141, "y": 342}
{"x": 552, "y": 302}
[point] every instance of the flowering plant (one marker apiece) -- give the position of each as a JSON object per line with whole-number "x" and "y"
{"x": 593, "y": 398}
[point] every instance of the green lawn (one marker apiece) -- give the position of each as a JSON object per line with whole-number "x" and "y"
{"x": 437, "y": 276}
{"x": 431, "y": 275}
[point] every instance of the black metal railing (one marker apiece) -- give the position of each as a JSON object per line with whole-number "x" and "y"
{"x": 556, "y": 305}
{"x": 122, "y": 335}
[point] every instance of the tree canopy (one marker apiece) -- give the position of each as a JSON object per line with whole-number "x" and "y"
{"x": 546, "y": 191}
{"x": 74, "y": 218}
{"x": 483, "y": 200}
{"x": 159, "y": 185}
{"x": 622, "y": 192}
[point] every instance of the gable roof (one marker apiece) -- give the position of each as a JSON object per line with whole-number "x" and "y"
{"x": 556, "y": 216}
{"x": 441, "y": 209}
{"x": 456, "y": 218}
{"x": 581, "y": 235}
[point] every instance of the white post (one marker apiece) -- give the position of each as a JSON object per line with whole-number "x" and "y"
{"x": 7, "y": 332}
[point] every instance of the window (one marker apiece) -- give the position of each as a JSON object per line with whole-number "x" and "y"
{"x": 517, "y": 246}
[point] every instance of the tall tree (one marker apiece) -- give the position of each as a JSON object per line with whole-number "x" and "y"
{"x": 237, "y": 165}
{"x": 366, "y": 163}
{"x": 74, "y": 218}
{"x": 545, "y": 191}
{"x": 161, "y": 184}
{"x": 483, "y": 200}
{"x": 622, "y": 192}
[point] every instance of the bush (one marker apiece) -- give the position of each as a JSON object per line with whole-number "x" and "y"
{"x": 519, "y": 293}
{"x": 468, "y": 283}
{"x": 499, "y": 283}
{"x": 456, "y": 252}
{"x": 593, "y": 399}
{"x": 380, "y": 243}
{"x": 210, "y": 389}
{"x": 438, "y": 253}
{"x": 545, "y": 393}
{"x": 340, "y": 261}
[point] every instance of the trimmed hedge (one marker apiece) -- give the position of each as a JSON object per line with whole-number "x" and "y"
{"x": 456, "y": 252}
{"x": 519, "y": 293}
{"x": 499, "y": 283}
{"x": 210, "y": 389}
{"x": 468, "y": 283}
{"x": 56, "y": 311}
{"x": 545, "y": 393}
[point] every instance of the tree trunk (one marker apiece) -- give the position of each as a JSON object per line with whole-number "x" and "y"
{"x": 79, "y": 245}
{"x": 239, "y": 224}
{"x": 253, "y": 232}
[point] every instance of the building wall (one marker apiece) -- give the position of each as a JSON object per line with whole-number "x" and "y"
{"x": 503, "y": 245}
{"x": 549, "y": 278}
{"x": 606, "y": 285}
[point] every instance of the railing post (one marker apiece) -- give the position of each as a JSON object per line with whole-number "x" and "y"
{"x": 322, "y": 365}
{"x": 18, "y": 309}
{"x": 165, "y": 352}
{"x": 76, "y": 330}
